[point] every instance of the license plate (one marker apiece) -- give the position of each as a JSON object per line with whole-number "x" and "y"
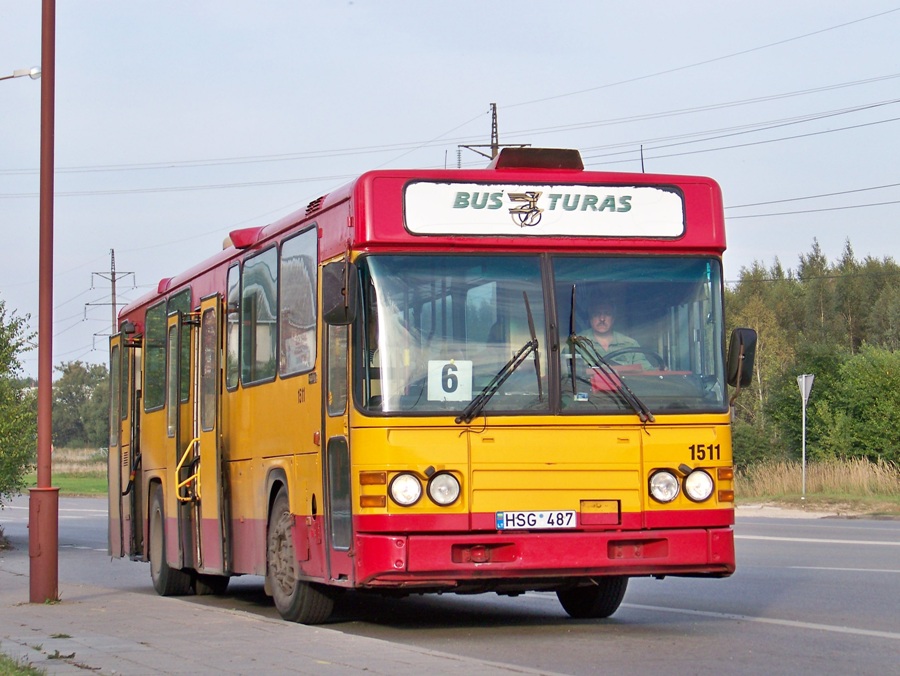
{"x": 536, "y": 520}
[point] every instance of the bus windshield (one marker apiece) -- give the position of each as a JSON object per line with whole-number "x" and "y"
{"x": 448, "y": 334}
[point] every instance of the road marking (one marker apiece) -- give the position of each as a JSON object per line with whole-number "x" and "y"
{"x": 881, "y": 543}
{"x": 767, "y": 620}
{"x": 846, "y": 570}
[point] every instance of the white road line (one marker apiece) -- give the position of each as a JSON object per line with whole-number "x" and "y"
{"x": 766, "y": 620}
{"x": 846, "y": 570}
{"x": 881, "y": 543}
{"x": 746, "y": 618}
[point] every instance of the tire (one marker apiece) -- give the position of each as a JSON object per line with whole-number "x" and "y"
{"x": 209, "y": 585}
{"x": 600, "y": 599}
{"x": 296, "y": 600}
{"x": 167, "y": 581}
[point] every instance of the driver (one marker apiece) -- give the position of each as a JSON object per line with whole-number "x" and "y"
{"x": 606, "y": 340}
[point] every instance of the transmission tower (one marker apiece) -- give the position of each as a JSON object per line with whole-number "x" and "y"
{"x": 112, "y": 277}
{"x": 495, "y": 144}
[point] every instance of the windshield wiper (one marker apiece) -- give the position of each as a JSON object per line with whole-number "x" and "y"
{"x": 480, "y": 401}
{"x": 534, "y": 340}
{"x": 586, "y": 348}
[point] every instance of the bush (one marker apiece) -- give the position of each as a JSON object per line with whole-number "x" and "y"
{"x": 18, "y": 410}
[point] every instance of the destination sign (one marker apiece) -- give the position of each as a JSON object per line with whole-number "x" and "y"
{"x": 543, "y": 210}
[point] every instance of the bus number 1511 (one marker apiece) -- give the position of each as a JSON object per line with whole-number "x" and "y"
{"x": 705, "y": 451}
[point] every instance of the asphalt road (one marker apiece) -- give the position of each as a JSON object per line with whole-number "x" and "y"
{"x": 816, "y": 596}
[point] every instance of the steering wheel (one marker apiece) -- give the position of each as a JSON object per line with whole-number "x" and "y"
{"x": 655, "y": 357}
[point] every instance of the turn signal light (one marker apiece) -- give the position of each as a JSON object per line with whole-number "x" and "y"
{"x": 372, "y": 500}
{"x": 726, "y": 496}
{"x": 372, "y": 478}
{"x": 725, "y": 473}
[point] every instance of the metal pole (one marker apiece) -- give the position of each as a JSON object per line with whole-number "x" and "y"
{"x": 803, "y": 470}
{"x": 112, "y": 277}
{"x": 805, "y": 382}
{"x": 43, "y": 511}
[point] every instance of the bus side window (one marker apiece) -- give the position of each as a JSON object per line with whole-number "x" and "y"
{"x": 232, "y": 327}
{"x": 337, "y": 369}
{"x": 297, "y": 318}
{"x": 259, "y": 291}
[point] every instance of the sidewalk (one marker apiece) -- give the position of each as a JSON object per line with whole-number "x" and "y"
{"x": 102, "y": 630}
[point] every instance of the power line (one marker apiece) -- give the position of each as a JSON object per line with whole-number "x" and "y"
{"x": 416, "y": 145}
{"x": 812, "y": 197}
{"x": 814, "y": 211}
{"x": 759, "y": 143}
{"x": 702, "y": 63}
{"x": 738, "y": 130}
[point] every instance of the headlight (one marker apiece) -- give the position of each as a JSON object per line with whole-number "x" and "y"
{"x": 443, "y": 489}
{"x": 405, "y": 489}
{"x": 663, "y": 486}
{"x": 698, "y": 485}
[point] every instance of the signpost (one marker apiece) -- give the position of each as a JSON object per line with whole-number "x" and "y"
{"x": 805, "y": 382}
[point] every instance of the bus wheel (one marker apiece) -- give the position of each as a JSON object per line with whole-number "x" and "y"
{"x": 600, "y": 599}
{"x": 167, "y": 581}
{"x": 296, "y": 600}
{"x": 209, "y": 585}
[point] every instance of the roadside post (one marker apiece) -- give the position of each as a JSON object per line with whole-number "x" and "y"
{"x": 805, "y": 382}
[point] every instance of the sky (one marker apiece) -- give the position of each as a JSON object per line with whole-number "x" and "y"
{"x": 177, "y": 122}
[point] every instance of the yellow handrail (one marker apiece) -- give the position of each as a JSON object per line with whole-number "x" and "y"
{"x": 193, "y": 477}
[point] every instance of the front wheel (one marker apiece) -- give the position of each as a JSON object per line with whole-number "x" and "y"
{"x": 167, "y": 581}
{"x": 598, "y": 600}
{"x": 296, "y": 600}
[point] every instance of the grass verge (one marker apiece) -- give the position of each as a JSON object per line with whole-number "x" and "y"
{"x": 76, "y": 471}
{"x": 853, "y": 486}
{"x": 11, "y": 667}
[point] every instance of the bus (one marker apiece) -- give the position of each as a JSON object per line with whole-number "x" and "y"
{"x": 398, "y": 390}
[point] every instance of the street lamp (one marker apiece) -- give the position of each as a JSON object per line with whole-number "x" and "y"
{"x": 33, "y": 73}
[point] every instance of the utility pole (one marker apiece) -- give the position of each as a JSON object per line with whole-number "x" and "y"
{"x": 495, "y": 139}
{"x": 112, "y": 276}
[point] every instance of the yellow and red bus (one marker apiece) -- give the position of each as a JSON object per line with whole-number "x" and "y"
{"x": 398, "y": 390}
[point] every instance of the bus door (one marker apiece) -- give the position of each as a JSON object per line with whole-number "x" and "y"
{"x": 119, "y": 458}
{"x": 182, "y": 444}
{"x": 208, "y": 375}
{"x": 336, "y": 461}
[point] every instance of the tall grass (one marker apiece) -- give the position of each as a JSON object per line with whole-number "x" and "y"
{"x": 76, "y": 471}
{"x": 851, "y": 478}
{"x": 79, "y": 461}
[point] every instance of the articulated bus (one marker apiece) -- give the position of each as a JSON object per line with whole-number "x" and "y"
{"x": 398, "y": 390}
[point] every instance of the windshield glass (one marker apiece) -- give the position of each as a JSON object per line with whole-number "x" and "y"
{"x": 438, "y": 329}
{"x": 452, "y": 335}
{"x": 653, "y": 324}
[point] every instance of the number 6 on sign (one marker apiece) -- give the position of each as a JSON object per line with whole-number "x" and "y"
{"x": 449, "y": 380}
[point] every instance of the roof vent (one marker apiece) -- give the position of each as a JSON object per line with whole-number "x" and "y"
{"x": 315, "y": 205}
{"x": 537, "y": 158}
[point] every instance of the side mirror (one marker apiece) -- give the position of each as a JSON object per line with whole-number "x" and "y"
{"x": 741, "y": 355}
{"x": 339, "y": 293}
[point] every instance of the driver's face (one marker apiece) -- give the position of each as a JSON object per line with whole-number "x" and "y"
{"x": 602, "y": 320}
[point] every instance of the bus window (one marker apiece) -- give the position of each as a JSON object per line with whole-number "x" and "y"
{"x": 155, "y": 358}
{"x": 337, "y": 370}
{"x": 434, "y": 317}
{"x": 232, "y": 327}
{"x": 208, "y": 369}
{"x": 181, "y": 301}
{"x": 667, "y": 323}
{"x": 297, "y": 319}
{"x": 258, "y": 317}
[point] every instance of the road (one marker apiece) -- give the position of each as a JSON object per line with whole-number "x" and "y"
{"x": 816, "y": 596}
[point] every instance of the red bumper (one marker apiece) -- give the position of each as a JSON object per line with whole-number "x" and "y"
{"x": 447, "y": 561}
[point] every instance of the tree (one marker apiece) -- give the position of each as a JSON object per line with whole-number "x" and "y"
{"x": 868, "y": 394}
{"x": 80, "y": 410}
{"x": 18, "y": 412}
